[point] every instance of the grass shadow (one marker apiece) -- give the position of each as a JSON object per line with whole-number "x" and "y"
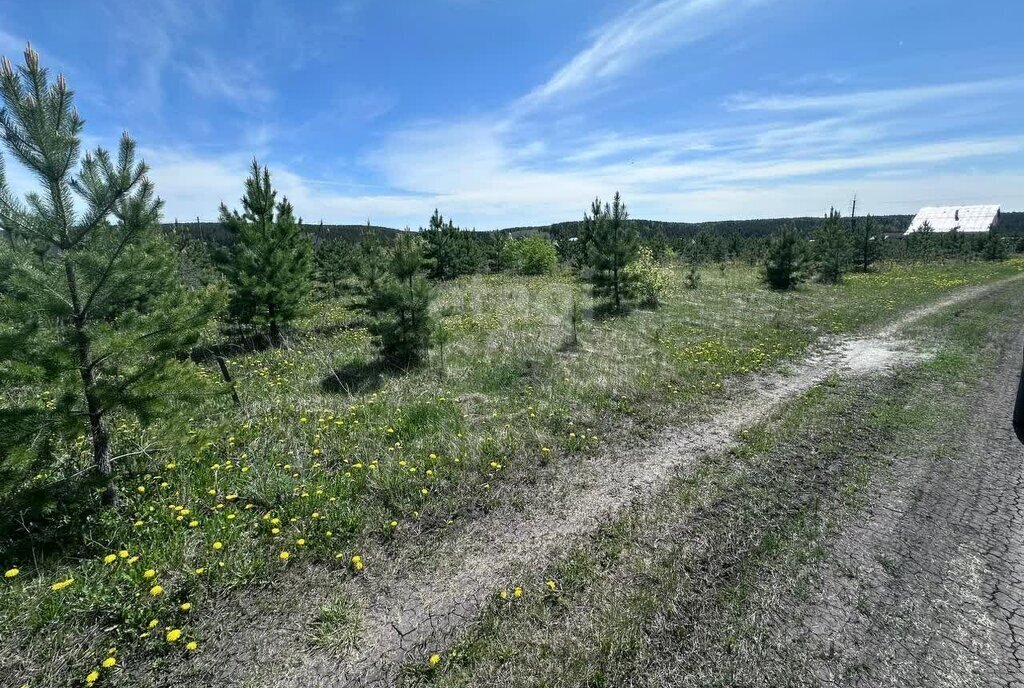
{"x": 41, "y": 520}
{"x": 358, "y": 378}
{"x": 608, "y": 311}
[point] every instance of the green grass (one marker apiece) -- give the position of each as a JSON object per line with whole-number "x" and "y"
{"x": 690, "y": 590}
{"x": 411, "y": 452}
{"x": 337, "y": 627}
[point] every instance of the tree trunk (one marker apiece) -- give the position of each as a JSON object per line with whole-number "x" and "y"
{"x": 615, "y": 287}
{"x": 97, "y": 427}
{"x": 275, "y": 326}
{"x": 223, "y": 365}
{"x": 101, "y": 454}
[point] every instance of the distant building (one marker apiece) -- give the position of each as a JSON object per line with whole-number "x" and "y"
{"x": 956, "y": 218}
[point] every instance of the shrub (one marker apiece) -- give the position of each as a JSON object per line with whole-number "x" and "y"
{"x": 533, "y": 255}
{"x": 693, "y": 276}
{"x": 649, "y": 282}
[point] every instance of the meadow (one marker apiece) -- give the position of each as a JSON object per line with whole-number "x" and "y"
{"x": 328, "y": 455}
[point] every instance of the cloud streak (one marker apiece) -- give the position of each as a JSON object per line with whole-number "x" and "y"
{"x": 884, "y": 99}
{"x": 647, "y": 30}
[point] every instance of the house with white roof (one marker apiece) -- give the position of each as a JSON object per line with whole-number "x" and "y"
{"x": 956, "y": 218}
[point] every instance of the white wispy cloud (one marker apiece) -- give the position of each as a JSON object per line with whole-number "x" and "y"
{"x": 239, "y": 82}
{"x": 647, "y": 30}
{"x": 882, "y": 99}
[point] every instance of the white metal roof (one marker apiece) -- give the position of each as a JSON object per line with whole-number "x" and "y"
{"x": 962, "y": 218}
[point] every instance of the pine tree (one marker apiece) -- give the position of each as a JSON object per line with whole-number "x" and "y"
{"x": 692, "y": 279}
{"x": 787, "y": 263}
{"x": 332, "y": 259}
{"x": 869, "y": 248}
{"x": 993, "y": 247}
{"x": 832, "y": 249}
{"x": 567, "y": 242}
{"x": 612, "y": 244}
{"x": 398, "y": 300}
{"x": 450, "y": 251}
{"x": 91, "y": 303}
{"x": 271, "y": 258}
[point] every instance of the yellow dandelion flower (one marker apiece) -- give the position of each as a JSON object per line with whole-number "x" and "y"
{"x": 11, "y": 573}
{"x": 518, "y": 592}
{"x": 60, "y": 585}
{"x": 173, "y": 635}
{"x": 92, "y": 677}
{"x": 551, "y": 585}
{"x": 110, "y": 559}
{"x": 218, "y": 545}
{"x": 185, "y": 606}
{"x": 192, "y": 646}
{"x": 153, "y": 623}
{"x": 140, "y": 489}
{"x": 193, "y": 524}
{"x": 435, "y": 659}
{"x": 301, "y": 542}
{"x": 284, "y": 556}
{"x": 149, "y": 573}
{"x": 109, "y": 662}
{"x": 156, "y": 590}
{"x": 200, "y": 571}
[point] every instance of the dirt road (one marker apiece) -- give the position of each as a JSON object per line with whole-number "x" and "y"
{"x": 926, "y": 589}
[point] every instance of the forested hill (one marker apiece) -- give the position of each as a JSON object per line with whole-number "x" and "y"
{"x": 1010, "y": 223}
{"x": 215, "y": 233}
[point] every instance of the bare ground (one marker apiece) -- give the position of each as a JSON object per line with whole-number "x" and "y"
{"x": 926, "y": 588}
{"x": 416, "y": 601}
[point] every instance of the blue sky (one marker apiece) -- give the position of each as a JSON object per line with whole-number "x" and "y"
{"x": 512, "y": 113}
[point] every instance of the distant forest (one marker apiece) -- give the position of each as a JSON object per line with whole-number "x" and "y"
{"x": 1010, "y": 223}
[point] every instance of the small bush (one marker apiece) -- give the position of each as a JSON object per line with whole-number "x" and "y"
{"x": 533, "y": 255}
{"x": 649, "y": 282}
{"x": 693, "y": 276}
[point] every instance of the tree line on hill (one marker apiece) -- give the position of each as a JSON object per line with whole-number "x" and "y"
{"x": 101, "y": 308}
